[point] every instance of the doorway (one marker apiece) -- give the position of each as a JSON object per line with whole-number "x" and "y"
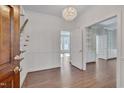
{"x": 101, "y": 42}
{"x": 64, "y": 47}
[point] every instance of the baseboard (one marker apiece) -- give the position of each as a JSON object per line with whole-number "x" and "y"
{"x": 43, "y": 70}
{"x": 112, "y": 58}
{"x": 108, "y": 58}
{"x": 92, "y": 62}
{"x": 102, "y": 59}
{"x": 23, "y": 80}
{"x": 76, "y": 67}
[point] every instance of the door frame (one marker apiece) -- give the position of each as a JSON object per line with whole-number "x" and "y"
{"x": 119, "y": 29}
{"x": 60, "y": 51}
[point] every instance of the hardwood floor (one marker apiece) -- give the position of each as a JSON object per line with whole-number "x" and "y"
{"x": 101, "y": 74}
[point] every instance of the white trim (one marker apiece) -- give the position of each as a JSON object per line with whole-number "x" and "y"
{"x": 118, "y": 48}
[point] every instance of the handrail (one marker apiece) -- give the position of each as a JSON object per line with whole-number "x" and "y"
{"x": 23, "y": 26}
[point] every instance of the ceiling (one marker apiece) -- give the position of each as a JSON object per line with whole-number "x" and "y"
{"x": 55, "y": 10}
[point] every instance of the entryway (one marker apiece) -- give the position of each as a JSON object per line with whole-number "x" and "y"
{"x": 65, "y": 47}
{"x": 101, "y": 42}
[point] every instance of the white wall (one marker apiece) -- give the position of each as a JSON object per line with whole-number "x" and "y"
{"x": 95, "y": 14}
{"x": 24, "y": 63}
{"x": 44, "y": 41}
{"x": 42, "y": 51}
{"x": 121, "y": 64}
{"x": 102, "y": 47}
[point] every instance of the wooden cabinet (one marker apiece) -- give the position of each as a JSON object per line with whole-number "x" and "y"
{"x": 9, "y": 46}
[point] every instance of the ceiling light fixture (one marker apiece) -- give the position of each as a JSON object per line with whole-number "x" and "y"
{"x": 69, "y": 13}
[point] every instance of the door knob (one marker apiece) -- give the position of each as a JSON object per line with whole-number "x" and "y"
{"x": 16, "y": 69}
{"x": 17, "y": 57}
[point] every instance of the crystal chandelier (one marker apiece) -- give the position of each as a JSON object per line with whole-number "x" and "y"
{"x": 69, "y": 13}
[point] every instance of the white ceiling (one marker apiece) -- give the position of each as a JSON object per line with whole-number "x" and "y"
{"x": 55, "y": 10}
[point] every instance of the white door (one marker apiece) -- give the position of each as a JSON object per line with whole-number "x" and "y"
{"x": 76, "y": 49}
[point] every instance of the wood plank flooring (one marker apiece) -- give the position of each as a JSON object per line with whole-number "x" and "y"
{"x": 101, "y": 74}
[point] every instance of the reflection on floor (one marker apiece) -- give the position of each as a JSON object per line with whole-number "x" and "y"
{"x": 100, "y": 74}
{"x": 65, "y": 57}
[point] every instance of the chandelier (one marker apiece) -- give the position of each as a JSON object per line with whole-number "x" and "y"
{"x": 69, "y": 13}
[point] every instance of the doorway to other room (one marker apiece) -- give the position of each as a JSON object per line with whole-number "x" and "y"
{"x": 102, "y": 48}
{"x": 64, "y": 47}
